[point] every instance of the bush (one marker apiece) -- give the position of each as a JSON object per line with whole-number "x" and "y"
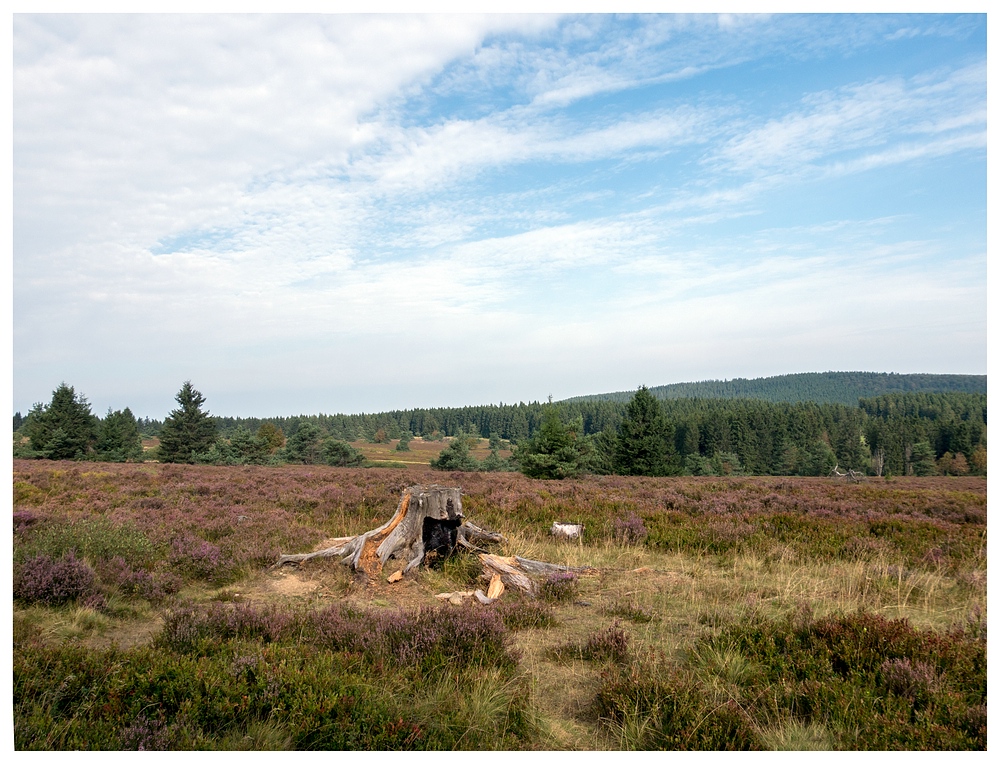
{"x": 337, "y": 453}
{"x": 629, "y": 529}
{"x": 428, "y": 638}
{"x": 49, "y": 581}
{"x": 521, "y": 613}
{"x": 193, "y": 629}
{"x": 456, "y": 457}
{"x": 95, "y": 539}
{"x": 196, "y": 557}
{"x": 612, "y": 644}
{"x": 119, "y": 575}
{"x": 560, "y": 586}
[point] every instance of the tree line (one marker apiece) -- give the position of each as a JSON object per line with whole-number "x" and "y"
{"x": 893, "y": 434}
{"x": 819, "y": 387}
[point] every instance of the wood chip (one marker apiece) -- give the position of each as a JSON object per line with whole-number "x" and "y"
{"x": 496, "y": 587}
{"x": 397, "y": 576}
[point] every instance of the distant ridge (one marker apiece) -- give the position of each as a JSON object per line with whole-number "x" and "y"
{"x": 819, "y": 387}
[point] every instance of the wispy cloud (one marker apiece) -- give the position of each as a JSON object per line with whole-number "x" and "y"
{"x": 220, "y": 193}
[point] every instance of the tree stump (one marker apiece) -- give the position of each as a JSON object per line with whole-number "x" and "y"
{"x": 428, "y": 520}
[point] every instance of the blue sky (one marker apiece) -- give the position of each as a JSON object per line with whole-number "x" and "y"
{"x": 307, "y": 214}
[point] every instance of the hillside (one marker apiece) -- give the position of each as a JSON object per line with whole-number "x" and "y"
{"x": 819, "y": 387}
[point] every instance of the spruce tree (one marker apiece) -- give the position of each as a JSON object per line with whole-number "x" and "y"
{"x": 65, "y": 429}
{"x": 645, "y": 443}
{"x": 119, "y": 439}
{"x": 456, "y": 457}
{"x": 188, "y": 430}
{"x": 556, "y": 450}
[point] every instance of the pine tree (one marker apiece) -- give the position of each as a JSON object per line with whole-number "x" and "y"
{"x": 337, "y": 453}
{"x": 188, "y": 430}
{"x": 65, "y": 429}
{"x": 556, "y": 450}
{"x": 456, "y": 457}
{"x": 119, "y": 439}
{"x": 305, "y": 446}
{"x": 645, "y": 444}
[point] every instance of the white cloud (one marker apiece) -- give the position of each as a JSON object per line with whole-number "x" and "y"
{"x": 863, "y": 117}
{"x": 321, "y": 196}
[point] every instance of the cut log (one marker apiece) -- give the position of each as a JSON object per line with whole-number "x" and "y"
{"x": 517, "y": 571}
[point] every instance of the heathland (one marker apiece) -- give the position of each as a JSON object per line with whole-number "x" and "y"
{"x": 720, "y": 612}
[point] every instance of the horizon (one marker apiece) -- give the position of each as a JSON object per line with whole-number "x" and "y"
{"x": 368, "y": 213}
{"x": 501, "y": 402}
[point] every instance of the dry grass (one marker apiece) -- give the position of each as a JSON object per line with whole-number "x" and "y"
{"x": 421, "y": 451}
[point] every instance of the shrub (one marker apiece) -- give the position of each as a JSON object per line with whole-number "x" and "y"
{"x": 912, "y": 680}
{"x": 196, "y": 557}
{"x": 560, "y": 586}
{"x": 94, "y": 538}
{"x": 611, "y": 644}
{"x": 118, "y": 574}
{"x": 51, "y": 581}
{"x": 629, "y": 529}
{"x": 521, "y": 613}
{"x": 428, "y": 637}
{"x": 194, "y": 629}
{"x": 146, "y": 735}
{"x": 24, "y": 520}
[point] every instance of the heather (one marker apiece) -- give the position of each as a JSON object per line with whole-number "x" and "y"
{"x": 861, "y": 681}
{"x": 707, "y": 613}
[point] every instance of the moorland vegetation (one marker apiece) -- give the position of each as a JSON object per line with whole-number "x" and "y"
{"x": 720, "y": 613}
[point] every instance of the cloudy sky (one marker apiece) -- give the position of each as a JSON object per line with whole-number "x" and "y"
{"x": 345, "y": 213}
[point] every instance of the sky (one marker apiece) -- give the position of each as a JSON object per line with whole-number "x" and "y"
{"x": 358, "y": 213}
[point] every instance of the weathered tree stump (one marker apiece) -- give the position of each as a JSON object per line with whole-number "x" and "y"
{"x": 427, "y": 523}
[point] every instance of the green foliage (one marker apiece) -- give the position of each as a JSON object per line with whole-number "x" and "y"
{"x": 404, "y": 441}
{"x": 496, "y": 463}
{"x": 250, "y": 448}
{"x": 65, "y": 429}
{"x": 242, "y": 447}
{"x": 844, "y": 387}
{"x": 118, "y": 439}
{"x": 818, "y": 459}
{"x": 336, "y": 453}
{"x": 457, "y": 456}
{"x": 870, "y": 682}
{"x": 188, "y": 430}
{"x": 726, "y": 463}
{"x": 305, "y": 446}
{"x": 769, "y": 437}
{"x": 645, "y": 442}
{"x": 94, "y": 539}
{"x": 557, "y": 450}
{"x": 333, "y": 679}
{"x": 923, "y": 459}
